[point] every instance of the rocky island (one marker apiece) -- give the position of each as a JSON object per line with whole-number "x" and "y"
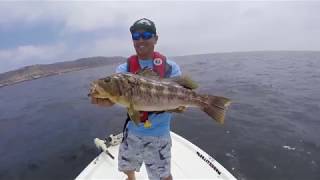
{"x": 43, "y": 70}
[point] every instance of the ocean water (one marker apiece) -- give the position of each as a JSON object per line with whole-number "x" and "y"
{"x": 47, "y": 126}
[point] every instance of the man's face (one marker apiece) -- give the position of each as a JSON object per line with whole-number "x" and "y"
{"x": 145, "y": 47}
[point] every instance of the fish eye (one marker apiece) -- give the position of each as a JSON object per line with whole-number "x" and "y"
{"x": 106, "y": 80}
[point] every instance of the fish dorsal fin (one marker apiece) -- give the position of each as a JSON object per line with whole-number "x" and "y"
{"x": 184, "y": 81}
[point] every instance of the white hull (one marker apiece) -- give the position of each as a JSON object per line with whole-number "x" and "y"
{"x": 187, "y": 162}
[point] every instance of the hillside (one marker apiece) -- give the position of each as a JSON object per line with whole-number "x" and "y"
{"x": 44, "y": 70}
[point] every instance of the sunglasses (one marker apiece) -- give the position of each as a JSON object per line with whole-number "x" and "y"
{"x": 144, "y": 35}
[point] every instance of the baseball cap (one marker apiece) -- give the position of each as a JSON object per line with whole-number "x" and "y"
{"x": 143, "y": 24}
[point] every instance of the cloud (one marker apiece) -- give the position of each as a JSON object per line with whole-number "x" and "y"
{"x": 28, "y": 55}
{"x": 14, "y": 13}
{"x": 115, "y": 46}
{"x": 92, "y": 16}
{"x": 102, "y": 28}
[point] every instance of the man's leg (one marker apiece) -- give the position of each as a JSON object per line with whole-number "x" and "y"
{"x": 130, "y": 174}
{"x": 157, "y": 156}
{"x": 167, "y": 178}
{"x": 130, "y": 156}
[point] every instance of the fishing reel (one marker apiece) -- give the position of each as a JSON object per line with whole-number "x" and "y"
{"x": 111, "y": 140}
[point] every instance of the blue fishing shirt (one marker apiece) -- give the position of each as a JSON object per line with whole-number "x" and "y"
{"x": 160, "y": 122}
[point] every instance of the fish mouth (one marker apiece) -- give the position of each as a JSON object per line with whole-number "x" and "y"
{"x": 97, "y": 91}
{"x": 93, "y": 90}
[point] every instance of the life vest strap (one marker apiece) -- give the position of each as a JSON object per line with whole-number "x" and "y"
{"x": 160, "y": 66}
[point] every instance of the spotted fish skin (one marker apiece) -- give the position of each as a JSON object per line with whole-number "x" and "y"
{"x": 153, "y": 94}
{"x": 147, "y": 94}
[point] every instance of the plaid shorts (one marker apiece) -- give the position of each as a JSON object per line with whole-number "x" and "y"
{"x": 155, "y": 152}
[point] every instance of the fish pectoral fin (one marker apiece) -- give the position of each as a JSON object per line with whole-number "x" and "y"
{"x": 134, "y": 115}
{"x": 185, "y": 81}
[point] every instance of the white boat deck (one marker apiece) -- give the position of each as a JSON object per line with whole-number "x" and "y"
{"x": 187, "y": 162}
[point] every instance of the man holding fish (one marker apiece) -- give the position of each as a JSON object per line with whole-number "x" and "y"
{"x": 151, "y": 87}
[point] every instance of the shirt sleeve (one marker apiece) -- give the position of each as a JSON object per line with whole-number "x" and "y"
{"x": 176, "y": 71}
{"x": 122, "y": 68}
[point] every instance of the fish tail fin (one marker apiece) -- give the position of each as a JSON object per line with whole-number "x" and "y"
{"x": 215, "y": 107}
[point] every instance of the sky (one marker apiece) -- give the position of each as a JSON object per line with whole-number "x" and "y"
{"x": 48, "y": 32}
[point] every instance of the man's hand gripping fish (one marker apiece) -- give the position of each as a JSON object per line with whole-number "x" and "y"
{"x": 148, "y": 92}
